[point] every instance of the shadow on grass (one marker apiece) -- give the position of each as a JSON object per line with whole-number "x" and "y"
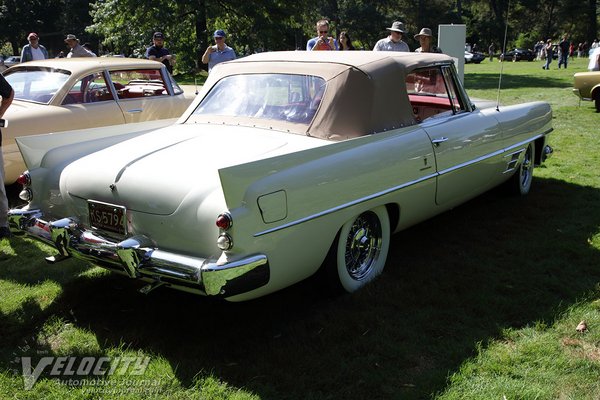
{"x": 454, "y": 281}
{"x": 514, "y": 81}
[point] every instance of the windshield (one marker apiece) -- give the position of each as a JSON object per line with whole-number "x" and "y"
{"x": 37, "y": 85}
{"x": 293, "y": 98}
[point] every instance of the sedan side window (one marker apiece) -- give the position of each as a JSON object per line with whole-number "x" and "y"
{"x": 139, "y": 83}
{"x": 90, "y": 89}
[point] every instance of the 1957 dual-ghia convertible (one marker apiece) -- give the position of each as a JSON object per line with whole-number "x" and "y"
{"x": 285, "y": 163}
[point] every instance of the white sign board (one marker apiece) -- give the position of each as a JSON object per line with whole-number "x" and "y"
{"x": 451, "y": 39}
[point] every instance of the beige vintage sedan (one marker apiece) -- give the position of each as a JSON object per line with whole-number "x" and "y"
{"x": 63, "y": 94}
{"x": 586, "y": 86}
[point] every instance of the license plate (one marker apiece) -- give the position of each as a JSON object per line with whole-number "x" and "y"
{"x": 107, "y": 217}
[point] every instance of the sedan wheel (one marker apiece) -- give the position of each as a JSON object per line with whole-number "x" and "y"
{"x": 362, "y": 249}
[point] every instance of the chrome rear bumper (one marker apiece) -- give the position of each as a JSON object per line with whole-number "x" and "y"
{"x": 138, "y": 257}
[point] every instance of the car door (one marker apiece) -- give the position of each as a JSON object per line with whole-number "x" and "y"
{"x": 467, "y": 143}
{"x": 90, "y": 103}
{"x": 146, "y": 94}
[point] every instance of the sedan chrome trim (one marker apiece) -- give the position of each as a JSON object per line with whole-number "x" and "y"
{"x": 396, "y": 188}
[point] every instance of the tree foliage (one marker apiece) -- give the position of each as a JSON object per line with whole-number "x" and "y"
{"x": 126, "y": 26}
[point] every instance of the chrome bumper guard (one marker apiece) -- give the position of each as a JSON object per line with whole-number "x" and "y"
{"x": 138, "y": 257}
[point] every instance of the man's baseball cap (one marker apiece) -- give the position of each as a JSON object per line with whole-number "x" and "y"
{"x": 158, "y": 35}
{"x": 219, "y": 33}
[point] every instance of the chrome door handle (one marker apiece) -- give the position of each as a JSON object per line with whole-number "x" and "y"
{"x": 437, "y": 141}
{"x": 135, "y": 110}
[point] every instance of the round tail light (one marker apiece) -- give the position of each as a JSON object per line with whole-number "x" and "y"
{"x": 24, "y": 179}
{"x": 224, "y": 221}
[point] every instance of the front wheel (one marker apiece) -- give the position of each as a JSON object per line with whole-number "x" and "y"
{"x": 361, "y": 249}
{"x": 520, "y": 183}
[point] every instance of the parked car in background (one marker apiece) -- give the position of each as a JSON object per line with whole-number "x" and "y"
{"x": 518, "y": 55}
{"x": 287, "y": 162}
{"x": 586, "y": 86}
{"x": 474, "y": 57}
{"x": 11, "y": 60}
{"x": 60, "y": 94}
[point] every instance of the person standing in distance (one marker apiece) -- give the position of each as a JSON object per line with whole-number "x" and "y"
{"x": 33, "y": 50}
{"x": 394, "y": 41}
{"x": 7, "y": 93}
{"x": 157, "y": 52}
{"x": 77, "y": 50}
{"x": 218, "y": 53}
{"x": 425, "y": 38}
{"x": 323, "y": 41}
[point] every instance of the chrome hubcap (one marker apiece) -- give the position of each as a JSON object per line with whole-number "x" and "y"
{"x": 363, "y": 245}
{"x": 526, "y": 168}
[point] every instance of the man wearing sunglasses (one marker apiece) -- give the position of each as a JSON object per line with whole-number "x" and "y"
{"x": 218, "y": 53}
{"x": 394, "y": 41}
{"x": 323, "y": 41}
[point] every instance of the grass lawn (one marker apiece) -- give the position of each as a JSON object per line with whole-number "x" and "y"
{"x": 479, "y": 303}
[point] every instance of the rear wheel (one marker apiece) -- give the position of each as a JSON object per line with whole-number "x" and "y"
{"x": 361, "y": 250}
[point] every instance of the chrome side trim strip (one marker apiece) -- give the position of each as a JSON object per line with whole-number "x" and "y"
{"x": 395, "y": 188}
{"x": 471, "y": 162}
{"x": 346, "y": 205}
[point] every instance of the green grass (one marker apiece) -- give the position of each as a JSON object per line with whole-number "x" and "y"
{"x": 478, "y": 303}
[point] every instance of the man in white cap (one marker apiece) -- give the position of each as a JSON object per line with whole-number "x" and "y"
{"x": 425, "y": 38}
{"x": 394, "y": 41}
{"x": 77, "y": 50}
{"x": 33, "y": 50}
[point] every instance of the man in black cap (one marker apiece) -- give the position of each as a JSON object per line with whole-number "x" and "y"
{"x": 158, "y": 52}
{"x": 394, "y": 41}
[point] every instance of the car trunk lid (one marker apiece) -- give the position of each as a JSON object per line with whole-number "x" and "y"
{"x": 154, "y": 173}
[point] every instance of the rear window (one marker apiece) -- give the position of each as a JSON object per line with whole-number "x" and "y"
{"x": 284, "y": 97}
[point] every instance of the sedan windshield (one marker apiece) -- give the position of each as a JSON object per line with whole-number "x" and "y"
{"x": 38, "y": 85}
{"x": 285, "y": 97}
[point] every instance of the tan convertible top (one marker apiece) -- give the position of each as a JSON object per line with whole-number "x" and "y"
{"x": 366, "y": 90}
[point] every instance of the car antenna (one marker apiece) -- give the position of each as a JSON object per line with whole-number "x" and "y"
{"x": 502, "y": 63}
{"x": 196, "y": 84}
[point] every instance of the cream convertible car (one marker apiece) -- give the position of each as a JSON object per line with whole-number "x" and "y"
{"x": 285, "y": 162}
{"x": 60, "y": 94}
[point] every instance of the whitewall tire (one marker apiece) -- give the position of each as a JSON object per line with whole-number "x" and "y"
{"x": 361, "y": 249}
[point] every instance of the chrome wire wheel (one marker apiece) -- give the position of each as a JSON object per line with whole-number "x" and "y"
{"x": 362, "y": 248}
{"x": 525, "y": 173}
{"x": 363, "y": 245}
